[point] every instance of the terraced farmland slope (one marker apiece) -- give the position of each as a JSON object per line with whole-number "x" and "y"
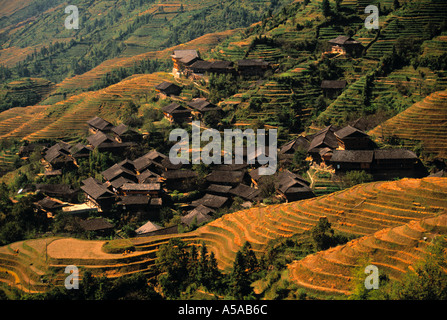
{"x": 425, "y": 121}
{"x": 392, "y": 250}
{"x": 67, "y": 118}
{"x": 87, "y": 79}
{"x": 361, "y": 210}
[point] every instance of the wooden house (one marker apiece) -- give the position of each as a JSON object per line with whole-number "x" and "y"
{"x": 97, "y": 194}
{"x": 218, "y": 189}
{"x": 395, "y": 159}
{"x": 118, "y": 171}
{"x": 104, "y": 142}
{"x": 231, "y": 178}
{"x": 323, "y": 139}
{"x": 198, "y": 215}
{"x": 292, "y": 146}
{"x": 147, "y": 189}
{"x": 59, "y": 191}
{"x": 49, "y": 206}
{"x": 179, "y": 179}
{"x": 80, "y": 150}
{"x": 351, "y": 138}
{"x": 134, "y": 202}
{"x": 96, "y": 225}
{"x": 147, "y": 176}
{"x": 346, "y": 160}
{"x": 347, "y": 46}
{"x": 123, "y": 133}
{"x": 182, "y": 60}
{"x": 98, "y": 124}
{"x": 252, "y": 67}
{"x": 168, "y": 89}
{"x": 332, "y": 88}
{"x": 148, "y": 227}
{"x": 291, "y": 187}
{"x": 58, "y": 155}
{"x": 211, "y": 201}
{"x": 246, "y": 192}
{"x": 201, "y": 106}
{"x": 176, "y": 113}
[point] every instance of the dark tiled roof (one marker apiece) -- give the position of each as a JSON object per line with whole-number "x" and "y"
{"x": 95, "y": 224}
{"x": 99, "y": 138}
{"x": 95, "y": 189}
{"x": 324, "y": 138}
{"x": 134, "y": 200}
{"x": 99, "y": 123}
{"x": 179, "y": 174}
{"x": 211, "y": 201}
{"x": 115, "y": 171}
{"x": 222, "y": 176}
{"x": 343, "y": 40}
{"x": 353, "y": 156}
{"x": 245, "y": 192}
{"x": 218, "y": 188}
{"x": 252, "y": 63}
{"x": 141, "y": 187}
{"x": 175, "y": 108}
{"x": 396, "y": 154}
{"x": 166, "y": 85}
{"x": 202, "y": 105}
{"x": 294, "y": 145}
{"x": 350, "y": 131}
{"x": 200, "y": 214}
{"x": 333, "y": 84}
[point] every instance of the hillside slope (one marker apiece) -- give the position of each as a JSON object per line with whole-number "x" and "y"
{"x": 392, "y": 250}
{"x": 361, "y": 210}
{"x": 424, "y": 121}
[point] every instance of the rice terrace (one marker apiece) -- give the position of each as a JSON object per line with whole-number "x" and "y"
{"x": 94, "y": 207}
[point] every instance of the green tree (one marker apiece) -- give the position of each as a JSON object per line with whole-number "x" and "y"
{"x": 326, "y": 8}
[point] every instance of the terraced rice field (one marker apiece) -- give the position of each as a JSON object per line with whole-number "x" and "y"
{"x": 425, "y": 121}
{"x": 67, "y": 118}
{"x": 362, "y": 210}
{"x": 392, "y": 250}
{"x": 410, "y": 22}
{"x": 89, "y": 78}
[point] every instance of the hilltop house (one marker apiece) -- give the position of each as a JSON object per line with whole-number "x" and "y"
{"x": 226, "y": 177}
{"x": 201, "y": 67}
{"x": 252, "y": 67}
{"x": 167, "y": 89}
{"x": 198, "y": 215}
{"x": 98, "y": 124}
{"x": 291, "y": 187}
{"x": 345, "y": 160}
{"x": 351, "y": 138}
{"x": 59, "y": 191}
{"x": 332, "y": 88}
{"x": 179, "y": 179}
{"x": 59, "y": 155}
{"x": 123, "y": 133}
{"x": 323, "y": 139}
{"x": 201, "y": 106}
{"x": 97, "y": 194}
{"x": 211, "y": 201}
{"x": 176, "y": 113}
{"x": 183, "y": 59}
{"x": 347, "y": 46}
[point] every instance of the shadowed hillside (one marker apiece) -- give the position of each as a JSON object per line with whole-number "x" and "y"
{"x": 361, "y": 210}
